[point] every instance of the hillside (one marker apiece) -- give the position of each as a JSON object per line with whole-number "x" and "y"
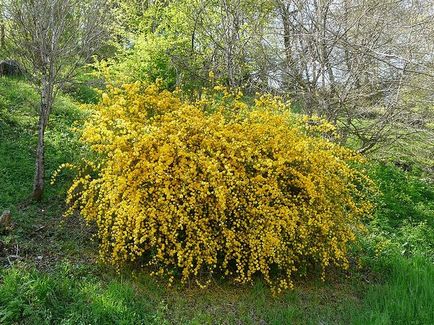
{"x": 50, "y": 271}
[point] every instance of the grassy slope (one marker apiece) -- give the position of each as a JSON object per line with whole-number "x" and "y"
{"x": 56, "y": 278}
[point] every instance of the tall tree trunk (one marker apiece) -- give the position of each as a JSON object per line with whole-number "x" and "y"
{"x": 2, "y": 26}
{"x": 46, "y": 101}
{"x": 38, "y": 184}
{"x": 2, "y": 35}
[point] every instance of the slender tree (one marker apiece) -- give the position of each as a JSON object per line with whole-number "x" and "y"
{"x": 52, "y": 39}
{"x": 2, "y": 26}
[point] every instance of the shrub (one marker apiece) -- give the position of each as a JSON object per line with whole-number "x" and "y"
{"x": 403, "y": 223}
{"x": 147, "y": 61}
{"x": 216, "y": 185}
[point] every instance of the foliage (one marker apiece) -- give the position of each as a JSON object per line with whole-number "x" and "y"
{"x": 182, "y": 41}
{"x": 398, "y": 249}
{"x": 149, "y": 36}
{"x": 403, "y": 224}
{"x": 240, "y": 190}
{"x": 146, "y": 61}
{"x": 85, "y": 88}
{"x": 406, "y": 196}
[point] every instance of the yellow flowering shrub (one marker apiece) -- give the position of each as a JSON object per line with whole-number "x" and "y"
{"x": 237, "y": 189}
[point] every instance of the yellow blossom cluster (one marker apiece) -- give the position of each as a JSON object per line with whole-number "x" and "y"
{"x": 242, "y": 191}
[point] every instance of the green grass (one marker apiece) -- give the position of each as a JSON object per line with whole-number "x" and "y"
{"x": 405, "y": 297}
{"x": 399, "y": 250}
{"x": 39, "y": 226}
{"x": 18, "y": 127}
{"x": 50, "y": 272}
{"x": 73, "y": 295}
{"x": 70, "y": 295}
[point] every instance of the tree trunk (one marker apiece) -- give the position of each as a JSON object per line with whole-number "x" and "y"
{"x": 38, "y": 185}
{"x": 2, "y": 35}
{"x": 46, "y": 100}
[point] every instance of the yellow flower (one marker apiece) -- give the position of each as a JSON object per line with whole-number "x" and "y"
{"x": 237, "y": 190}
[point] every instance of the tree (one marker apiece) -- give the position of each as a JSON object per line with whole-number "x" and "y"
{"x": 351, "y": 61}
{"x": 2, "y": 28}
{"x": 188, "y": 39}
{"x": 354, "y": 62}
{"x": 52, "y": 39}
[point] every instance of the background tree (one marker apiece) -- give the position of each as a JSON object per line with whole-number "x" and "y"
{"x": 350, "y": 60}
{"x": 52, "y": 39}
{"x": 364, "y": 65}
{"x": 2, "y": 28}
